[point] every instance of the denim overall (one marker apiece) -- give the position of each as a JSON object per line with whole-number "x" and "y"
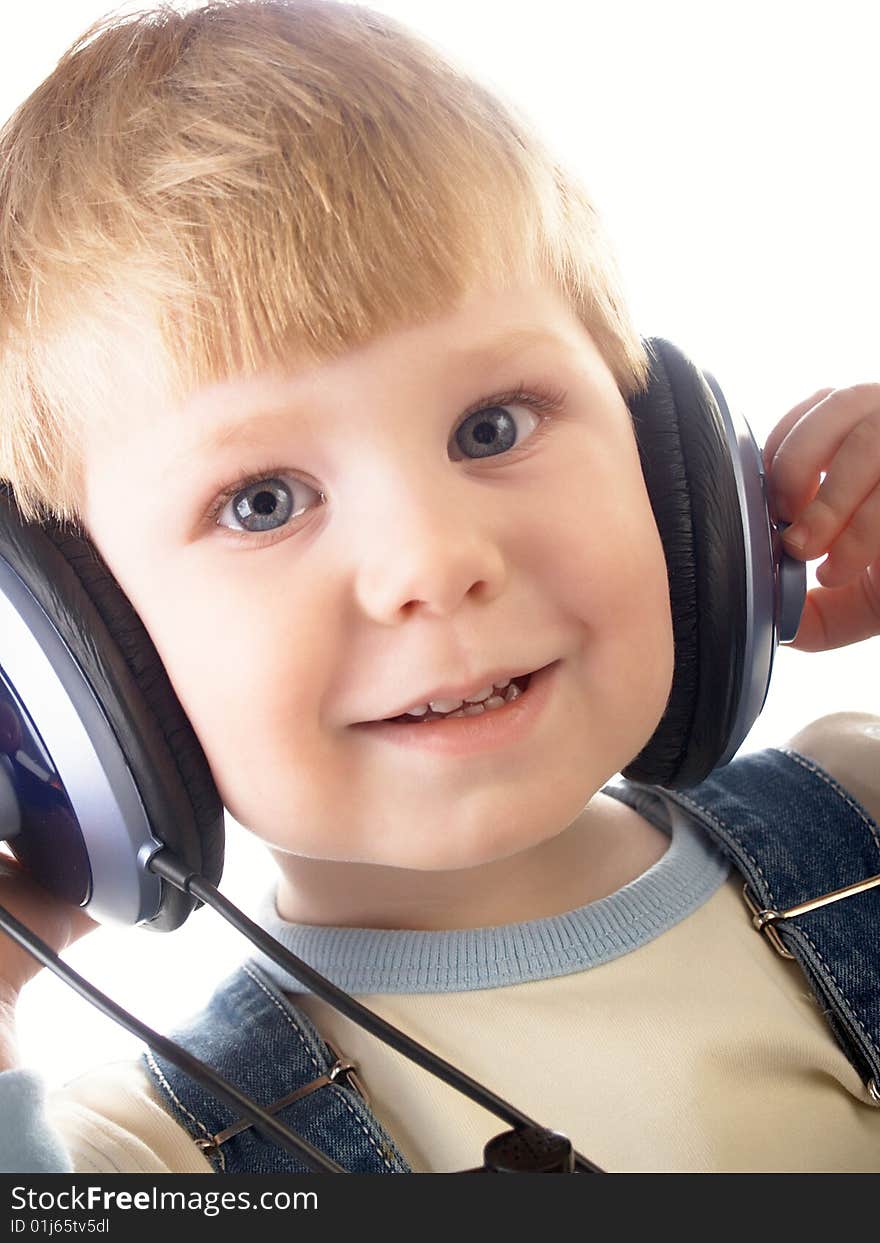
{"x": 794, "y": 834}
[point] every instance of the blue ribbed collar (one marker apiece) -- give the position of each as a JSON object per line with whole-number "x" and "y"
{"x": 376, "y": 960}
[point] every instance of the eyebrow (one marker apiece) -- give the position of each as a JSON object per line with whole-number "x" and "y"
{"x": 277, "y": 410}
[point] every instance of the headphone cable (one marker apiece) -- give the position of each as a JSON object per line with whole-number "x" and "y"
{"x": 270, "y": 1127}
{"x": 167, "y": 865}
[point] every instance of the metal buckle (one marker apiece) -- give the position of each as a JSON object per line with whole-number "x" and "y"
{"x": 340, "y": 1068}
{"x": 764, "y": 920}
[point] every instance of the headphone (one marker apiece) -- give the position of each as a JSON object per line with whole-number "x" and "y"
{"x": 100, "y": 767}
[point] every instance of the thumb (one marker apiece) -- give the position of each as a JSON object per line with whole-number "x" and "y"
{"x": 53, "y": 920}
{"x": 837, "y": 616}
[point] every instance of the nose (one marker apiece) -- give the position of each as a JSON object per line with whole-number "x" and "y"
{"x": 426, "y": 545}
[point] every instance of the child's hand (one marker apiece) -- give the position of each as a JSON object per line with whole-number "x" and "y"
{"x": 836, "y": 431}
{"x": 57, "y": 923}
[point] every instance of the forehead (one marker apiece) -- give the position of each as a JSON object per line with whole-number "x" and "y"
{"x": 487, "y": 330}
{"x": 484, "y": 333}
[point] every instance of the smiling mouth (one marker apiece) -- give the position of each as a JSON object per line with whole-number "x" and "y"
{"x": 515, "y": 688}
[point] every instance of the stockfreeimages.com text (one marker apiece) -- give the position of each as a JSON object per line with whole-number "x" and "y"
{"x": 210, "y": 1203}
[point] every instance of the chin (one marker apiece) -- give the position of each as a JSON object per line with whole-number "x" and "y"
{"x": 489, "y": 846}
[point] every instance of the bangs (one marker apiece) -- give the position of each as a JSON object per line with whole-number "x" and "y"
{"x": 250, "y": 186}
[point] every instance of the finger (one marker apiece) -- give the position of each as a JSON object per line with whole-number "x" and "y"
{"x": 811, "y": 444}
{"x": 787, "y": 422}
{"x": 80, "y": 924}
{"x": 836, "y": 616}
{"x": 845, "y": 512}
{"x": 55, "y": 920}
{"x": 856, "y": 545}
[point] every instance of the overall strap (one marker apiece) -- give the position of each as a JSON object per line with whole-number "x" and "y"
{"x": 252, "y": 1034}
{"x": 810, "y": 857}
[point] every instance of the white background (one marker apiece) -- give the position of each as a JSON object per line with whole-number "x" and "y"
{"x": 732, "y": 150}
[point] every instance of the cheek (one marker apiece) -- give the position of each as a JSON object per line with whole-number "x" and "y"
{"x": 260, "y": 693}
{"x": 242, "y": 669}
{"x": 605, "y": 566}
{"x": 599, "y": 541}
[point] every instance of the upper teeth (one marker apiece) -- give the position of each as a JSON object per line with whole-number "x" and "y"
{"x": 449, "y": 705}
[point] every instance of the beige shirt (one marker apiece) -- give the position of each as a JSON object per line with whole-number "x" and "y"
{"x": 702, "y": 1050}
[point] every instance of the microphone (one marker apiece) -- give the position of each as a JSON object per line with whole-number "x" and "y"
{"x": 531, "y": 1150}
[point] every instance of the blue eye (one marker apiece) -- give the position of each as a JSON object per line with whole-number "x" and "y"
{"x": 264, "y": 504}
{"x": 488, "y": 432}
{"x": 488, "y": 429}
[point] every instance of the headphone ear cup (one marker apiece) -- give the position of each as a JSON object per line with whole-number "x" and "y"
{"x": 691, "y": 484}
{"x": 65, "y": 573}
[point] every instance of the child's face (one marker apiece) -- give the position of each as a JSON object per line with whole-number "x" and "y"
{"x": 425, "y": 563}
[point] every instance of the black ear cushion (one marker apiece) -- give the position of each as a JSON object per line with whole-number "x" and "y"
{"x": 70, "y": 580}
{"x": 691, "y": 484}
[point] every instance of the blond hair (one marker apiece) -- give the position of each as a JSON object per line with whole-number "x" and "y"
{"x": 213, "y": 192}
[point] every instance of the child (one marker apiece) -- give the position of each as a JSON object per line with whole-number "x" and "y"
{"x": 267, "y": 257}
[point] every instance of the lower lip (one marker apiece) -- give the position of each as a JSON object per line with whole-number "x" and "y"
{"x": 464, "y": 735}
